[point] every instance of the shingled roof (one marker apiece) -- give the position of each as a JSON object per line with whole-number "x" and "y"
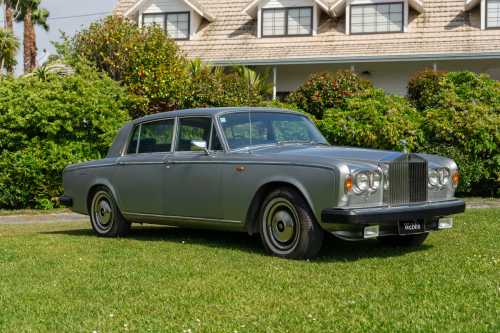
{"x": 442, "y": 27}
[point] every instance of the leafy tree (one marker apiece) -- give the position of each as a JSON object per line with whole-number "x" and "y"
{"x": 9, "y": 46}
{"x": 144, "y": 59}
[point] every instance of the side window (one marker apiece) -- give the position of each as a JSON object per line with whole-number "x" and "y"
{"x": 132, "y": 145}
{"x": 196, "y": 128}
{"x": 216, "y": 145}
{"x": 156, "y": 137}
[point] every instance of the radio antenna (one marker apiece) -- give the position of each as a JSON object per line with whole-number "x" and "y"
{"x": 249, "y": 109}
{"x": 248, "y": 91}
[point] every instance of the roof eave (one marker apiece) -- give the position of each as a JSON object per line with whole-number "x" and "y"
{"x": 195, "y": 6}
{"x": 471, "y": 4}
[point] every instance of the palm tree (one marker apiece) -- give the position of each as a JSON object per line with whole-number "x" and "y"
{"x": 9, "y": 45}
{"x": 198, "y": 67}
{"x": 259, "y": 82}
{"x": 32, "y": 15}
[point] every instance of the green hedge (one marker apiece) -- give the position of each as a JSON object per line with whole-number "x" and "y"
{"x": 449, "y": 114}
{"x": 44, "y": 126}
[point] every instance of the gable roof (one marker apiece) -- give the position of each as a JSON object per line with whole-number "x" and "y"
{"x": 444, "y": 27}
{"x": 251, "y": 7}
{"x": 191, "y": 3}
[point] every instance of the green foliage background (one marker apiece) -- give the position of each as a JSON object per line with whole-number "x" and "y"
{"x": 44, "y": 126}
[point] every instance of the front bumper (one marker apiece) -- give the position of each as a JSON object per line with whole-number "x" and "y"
{"x": 391, "y": 214}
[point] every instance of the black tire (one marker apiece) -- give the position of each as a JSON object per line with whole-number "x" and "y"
{"x": 288, "y": 228}
{"x": 105, "y": 217}
{"x": 404, "y": 241}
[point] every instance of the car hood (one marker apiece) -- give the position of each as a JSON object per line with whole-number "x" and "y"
{"x": 318, "y": 153}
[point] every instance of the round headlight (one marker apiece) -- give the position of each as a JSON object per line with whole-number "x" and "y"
{"x": 377, "y": 179}
{"x": 433, "y": 177}
{"x": 444, "y": 176}
{"x": 362, "y": 181}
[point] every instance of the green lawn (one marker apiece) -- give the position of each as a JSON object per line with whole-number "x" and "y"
{"x": 59, "y": 277}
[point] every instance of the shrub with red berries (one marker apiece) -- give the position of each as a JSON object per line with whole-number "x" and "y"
{"x": 145, "y": 60}
{"x": 325, "y": 90}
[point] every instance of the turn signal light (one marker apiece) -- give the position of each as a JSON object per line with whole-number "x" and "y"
{"x": 348, "y": 185}
{"x": 456, "y": 177}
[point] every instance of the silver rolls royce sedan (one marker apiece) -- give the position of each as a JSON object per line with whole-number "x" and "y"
{"x": 267, "y": 171}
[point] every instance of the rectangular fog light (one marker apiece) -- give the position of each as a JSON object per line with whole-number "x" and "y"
{"x": 445, "y": 223}
{"x": 371, "y": 231}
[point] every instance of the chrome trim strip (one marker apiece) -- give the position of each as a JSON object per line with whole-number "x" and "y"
{"x": 90, "y": 166}
{"x": 181, "y": 217}
{"x": 310, "y": 165}
{"x": 139, "y": 163}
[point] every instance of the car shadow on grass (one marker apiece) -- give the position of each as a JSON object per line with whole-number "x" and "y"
{"x": 333, "y": 249}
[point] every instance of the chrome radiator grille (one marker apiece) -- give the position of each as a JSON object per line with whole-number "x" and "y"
{"x": 407, "y": 183}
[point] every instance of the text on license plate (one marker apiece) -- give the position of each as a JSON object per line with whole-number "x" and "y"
{"x": 411, "y": 227}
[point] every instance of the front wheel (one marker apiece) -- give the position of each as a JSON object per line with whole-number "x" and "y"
{"x": 106, "y": 218}
{"x": 404, "y": 241}
{"x": 288, "y": 227}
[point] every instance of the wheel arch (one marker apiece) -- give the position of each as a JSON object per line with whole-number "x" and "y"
{"x": 263, "y": 190}
{"x": 98, "y": 183}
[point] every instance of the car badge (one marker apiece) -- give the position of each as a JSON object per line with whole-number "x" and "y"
{"x": 404, "y": 146}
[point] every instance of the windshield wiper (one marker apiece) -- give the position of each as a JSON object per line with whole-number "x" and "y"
{"x": 319, "y": 143}
{"x": 294, "y": 141}
{"x": 298, "y": 141}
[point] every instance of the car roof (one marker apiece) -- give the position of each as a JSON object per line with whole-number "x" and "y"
{"x": 209, "y": 112}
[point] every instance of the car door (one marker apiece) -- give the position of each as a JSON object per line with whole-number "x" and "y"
{"x": 139, "y": 175}
{"x": 191, "y": 179}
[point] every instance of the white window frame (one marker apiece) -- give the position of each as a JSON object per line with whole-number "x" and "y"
{"x": 486, "y": 17}
{"x": 165, "y": 15}
{"x": 375, "y": 2}
{"x": 283, "y": 5}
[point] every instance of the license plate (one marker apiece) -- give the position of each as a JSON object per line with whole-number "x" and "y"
{"x": 411, "y": 227}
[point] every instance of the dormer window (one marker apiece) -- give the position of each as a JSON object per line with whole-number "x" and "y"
{"x": 287, "y": 22}
{"x": 383, "y": 18}
{"x": 493, "y": 14}
{"x": 176, "y": 24}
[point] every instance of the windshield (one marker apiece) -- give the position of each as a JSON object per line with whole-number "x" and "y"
{"x": 268, "y": 128}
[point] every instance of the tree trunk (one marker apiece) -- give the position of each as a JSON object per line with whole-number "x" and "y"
{"x": 9, "y": 24}
{"x": 28, "y": 43}
{"x": 34, "y": 49}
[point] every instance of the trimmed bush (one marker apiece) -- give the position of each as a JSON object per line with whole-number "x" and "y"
{"x": 375, "y": 120}
{"x": 145, "y": 60}
{"x": 326, "y": 90}
{"x": 44, "y": 126}
{"x": 423, "y": 87}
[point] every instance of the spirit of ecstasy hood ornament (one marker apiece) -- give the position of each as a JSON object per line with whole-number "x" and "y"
{"x": 404, "y": 146}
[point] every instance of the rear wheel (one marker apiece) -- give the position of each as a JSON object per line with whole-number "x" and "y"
{"x": 288, "y": 227}
{"x": 404, "y": 241}
{"x": 106, "y": 218}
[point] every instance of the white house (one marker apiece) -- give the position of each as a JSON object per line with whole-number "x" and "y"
{"x": 386, "y": 41}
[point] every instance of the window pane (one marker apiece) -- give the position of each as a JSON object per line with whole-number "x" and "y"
{"x": 305, "y": 12}
{"x": 299, "y": 21}
{"x": 267, "y": 128}
{"x": 149, "y": 19}
{"x": 156, "y": 137}
{"x": 196, "y": 128}
{"x": 216, "y": 145}
{"x": 377, "y": 18}
{"x": 132, "y": 146}
{"x": 294, "y": 13}
{"x": 493, "y": 15}
{"x": 178, "y": 25}
{"x": 274, "y": 22}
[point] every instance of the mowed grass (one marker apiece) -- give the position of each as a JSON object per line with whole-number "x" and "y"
{"x": 59, "y": 277}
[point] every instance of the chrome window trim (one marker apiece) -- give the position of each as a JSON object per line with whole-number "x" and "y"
{"x": 124, "y": 153}
{"x": 178, "y": 129}
{"x": 182, "y": 217}
{"x": 229, "y": 150}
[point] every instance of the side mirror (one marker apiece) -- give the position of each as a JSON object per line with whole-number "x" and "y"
{"x": 200, "y": 145}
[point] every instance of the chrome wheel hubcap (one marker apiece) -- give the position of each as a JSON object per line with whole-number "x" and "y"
{"x": 282, "y": 228}
{"x": 102, "y": 211}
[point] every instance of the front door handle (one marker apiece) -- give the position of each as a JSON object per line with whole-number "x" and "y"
{"x": 170, "y": 162}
